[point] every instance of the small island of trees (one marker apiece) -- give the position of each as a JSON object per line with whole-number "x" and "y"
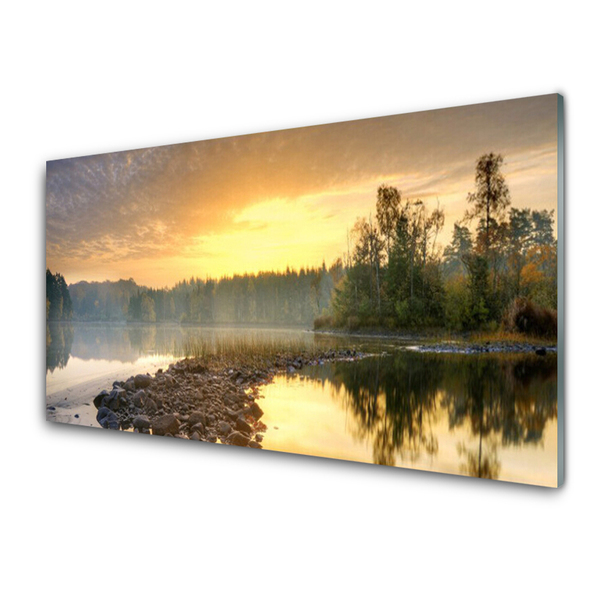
{"x": 502, "y": 274}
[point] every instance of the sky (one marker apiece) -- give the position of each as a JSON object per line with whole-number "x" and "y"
{"x": 281, "y": 199}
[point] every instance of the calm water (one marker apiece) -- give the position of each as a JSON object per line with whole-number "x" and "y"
{"x": 486, "y": 415}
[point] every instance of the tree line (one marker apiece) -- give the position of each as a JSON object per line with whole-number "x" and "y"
{"x": 58, "y": 299}
{"x": 500, "y": 262}
{"x": 500, "y": 268}
{"x": 289, "y": 297}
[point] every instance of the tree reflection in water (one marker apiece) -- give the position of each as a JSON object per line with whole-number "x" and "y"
{"x": 59, "y": 339}
{"x": 396, "y": 401}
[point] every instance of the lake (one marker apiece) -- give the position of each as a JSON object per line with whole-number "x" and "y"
{"x": 485, "y": 415}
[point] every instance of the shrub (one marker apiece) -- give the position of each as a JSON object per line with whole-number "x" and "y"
{"x": 526, "y": 317}
{"x": 353, "y": 323}
{"x": 323, "y": 322}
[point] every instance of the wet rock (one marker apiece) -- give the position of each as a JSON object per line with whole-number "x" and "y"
{"x": 238, "y": 439}
{"x": 540, "y": 351}
{"x": 99, "y": 399}
{"x": 113, "y": 401}
{"x": 167, "y": 424}
{"x": 142, "y": 422}
{"x": 256, "y": 411}
{"x": 232, "y": 414}
{"x": 242, "y": 425}
{"x": 142, "y": 381}
{"x": 107, "y": 418}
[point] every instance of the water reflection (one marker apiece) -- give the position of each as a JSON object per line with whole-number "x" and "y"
{"x": 127, "y": 343}
{"x": 483, "y": 409}
{"x": 59, "y": 340}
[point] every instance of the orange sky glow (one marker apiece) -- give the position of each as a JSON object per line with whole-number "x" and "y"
{"x": 285, "y": 198}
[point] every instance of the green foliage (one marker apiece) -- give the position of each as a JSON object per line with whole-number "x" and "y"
{"x": 397, "y": 278}
{"x": 58, "y": 299}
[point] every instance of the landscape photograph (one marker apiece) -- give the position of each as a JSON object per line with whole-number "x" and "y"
{"x": 383, "y": 291}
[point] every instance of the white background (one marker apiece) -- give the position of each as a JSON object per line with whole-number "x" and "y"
{"x": 91, "y": 514}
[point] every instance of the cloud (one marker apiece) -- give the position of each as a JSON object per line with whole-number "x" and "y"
{"x": 155, "y": 202}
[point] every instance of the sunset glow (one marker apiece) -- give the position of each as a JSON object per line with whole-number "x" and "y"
{"x": 282, "y": 199}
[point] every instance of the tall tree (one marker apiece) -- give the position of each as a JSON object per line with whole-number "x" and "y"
{"x": 491, "y": 196}
{"x": 388, "y": 212}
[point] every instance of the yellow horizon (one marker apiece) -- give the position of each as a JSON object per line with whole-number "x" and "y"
{"x": 270, "y": 201}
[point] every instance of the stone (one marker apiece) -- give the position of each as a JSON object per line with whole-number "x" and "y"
{"x": 164, "y": 425}
{"x": 224, "y": 428}
{"x": 233, "y": 399}
{"x": 256, "y": 411}
{"x": 254, "y": 444}
{"x": 237, "y": 438}
{"x": 195, "y": 436}
{"x": 138, "y": 398}
{"x": 142, "y": 422}
{"x": 242, "y": 425}
{"x": 150, "y": 405}
{"x": 142, "y": 381}
{"x": 99, "y": 399}
{"x": 199, "y": 427}
{"x": 107, "y": 418}
{"x": 197, "y": 417}
{"x": 540, "y": 351}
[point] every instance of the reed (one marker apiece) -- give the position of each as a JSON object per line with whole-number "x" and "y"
{"x": 247, "y": 348}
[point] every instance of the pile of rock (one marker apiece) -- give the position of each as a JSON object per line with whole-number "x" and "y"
{"x": 200, "y": 401}
{"x": 188, "y": 402}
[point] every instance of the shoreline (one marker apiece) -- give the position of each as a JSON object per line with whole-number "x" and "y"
{"x": 199, "y": 399}
{"x": 459, "y": 343}
{"x": 211, "y": 400}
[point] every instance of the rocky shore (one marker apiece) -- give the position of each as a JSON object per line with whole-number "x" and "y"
{"x": 466, "y": 348}
{"x": 202, "y": 399}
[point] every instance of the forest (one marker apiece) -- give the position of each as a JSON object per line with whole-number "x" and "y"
{"x": 290, "y": 297}
{"x": 498, "y": 272}
{"x": 500, "y": 269}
